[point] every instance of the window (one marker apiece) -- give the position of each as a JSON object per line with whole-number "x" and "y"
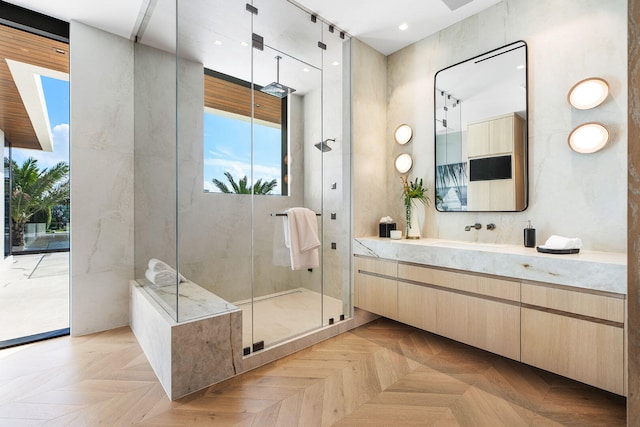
{"x": 228, "y": 156}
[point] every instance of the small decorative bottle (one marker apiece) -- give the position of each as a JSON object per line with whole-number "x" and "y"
{"x": 529, "y": 236}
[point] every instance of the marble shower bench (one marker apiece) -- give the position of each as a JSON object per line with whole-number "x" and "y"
{"x": 190, "y": 355}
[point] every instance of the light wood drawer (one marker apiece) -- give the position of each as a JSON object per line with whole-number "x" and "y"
{"x": 477, "y": 284}
{"x": 577, "y": 302}
{"x": 586, "y": 351}
{"x": 483, "y": 323}
{"x": 378, "y": 295}
{"x": 376, "y": 266}
{"x": 417, "y": 306}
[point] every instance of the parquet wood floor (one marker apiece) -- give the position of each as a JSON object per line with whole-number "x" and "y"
{"x": 381, "y": 374}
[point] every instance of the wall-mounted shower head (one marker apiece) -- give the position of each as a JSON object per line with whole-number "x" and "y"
{"x": 323, "y": 146}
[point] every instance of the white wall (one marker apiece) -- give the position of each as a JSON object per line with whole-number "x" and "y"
{"x": 570, "y": 194}
{"x": 371, "y": 146}
{"x": 101, "y": 160}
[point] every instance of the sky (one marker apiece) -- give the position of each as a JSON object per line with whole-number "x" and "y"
{"x": 56, "y": 93}
{"x": 227, "y": 148}
{"x": 227, "y": 142}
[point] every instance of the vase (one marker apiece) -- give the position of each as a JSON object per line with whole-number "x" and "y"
{"x": 413, "y": 222}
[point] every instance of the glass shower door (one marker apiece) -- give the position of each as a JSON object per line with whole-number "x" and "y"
{"x": 287, "y": 296}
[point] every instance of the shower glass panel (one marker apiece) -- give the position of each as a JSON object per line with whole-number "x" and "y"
{"x": 336, "y": 175}
{"x": 155, "y": 171}
{"x": 288, "y": 302}
{"x": 451, "y": 186}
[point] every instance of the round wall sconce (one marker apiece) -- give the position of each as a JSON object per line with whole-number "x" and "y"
{"x": 588, "y": 138}
{"x": 403, "y": 134}
{"x": 588, "y": 93}
{"x": 403, "y": 163}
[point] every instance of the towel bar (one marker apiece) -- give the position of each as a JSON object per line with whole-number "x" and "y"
{"x": 284, "y": 214}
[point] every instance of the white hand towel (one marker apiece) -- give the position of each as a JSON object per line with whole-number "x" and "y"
{"x": 559, "y": 242}
{"x": 161, "y": 278}
{"x": 303, "y": 238}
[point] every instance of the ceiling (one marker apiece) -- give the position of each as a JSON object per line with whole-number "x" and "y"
{"x": 23, "y": 55}
{"x": 375, "y": 22}
{"x": 200, "y": 22}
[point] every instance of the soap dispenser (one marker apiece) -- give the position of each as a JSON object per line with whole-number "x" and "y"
{"x": 529, "y": 236}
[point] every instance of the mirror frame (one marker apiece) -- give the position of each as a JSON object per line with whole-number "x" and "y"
{"x": 483, "y": 56}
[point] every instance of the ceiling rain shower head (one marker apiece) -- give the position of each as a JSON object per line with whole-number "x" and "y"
{"x": 275, "y": 88}
{"x": 323, "y": 146}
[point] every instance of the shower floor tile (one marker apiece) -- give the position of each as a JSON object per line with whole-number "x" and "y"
{"x": 284, "y": 315}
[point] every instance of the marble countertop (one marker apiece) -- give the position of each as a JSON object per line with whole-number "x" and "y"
{"x": 603, "y": 271}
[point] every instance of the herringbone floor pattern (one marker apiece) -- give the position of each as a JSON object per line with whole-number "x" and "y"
{"x": 381, "y": 374}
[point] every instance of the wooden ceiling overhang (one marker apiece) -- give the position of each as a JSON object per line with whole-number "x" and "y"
{"x": 31, "y": 49}
{"x": 232, "y": 97}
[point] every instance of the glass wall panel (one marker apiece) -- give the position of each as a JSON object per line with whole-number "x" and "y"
{"x": 336, "y": 168}
{"x": 214, "y": 136}
{"x": 155, "y": 172}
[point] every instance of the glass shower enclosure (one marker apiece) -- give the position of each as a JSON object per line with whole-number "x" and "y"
{"x": 251, "y": 121}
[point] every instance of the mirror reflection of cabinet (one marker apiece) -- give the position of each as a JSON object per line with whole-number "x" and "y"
{"x": 496, "y": 164}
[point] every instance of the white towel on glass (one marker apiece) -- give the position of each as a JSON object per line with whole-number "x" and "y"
{"x": 156, "y": 266}
{"x": 301, "y": 236}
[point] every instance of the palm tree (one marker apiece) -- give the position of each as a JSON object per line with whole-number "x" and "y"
{"x": 241, "y": 186}
{"x": 35, "y": 190}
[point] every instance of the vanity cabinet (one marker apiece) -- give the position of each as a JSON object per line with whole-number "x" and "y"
{"x": 575, "y": 334}
{"x": 487, "y": 140}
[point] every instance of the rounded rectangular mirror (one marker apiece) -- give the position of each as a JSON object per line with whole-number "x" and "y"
{"x": 480, "y": 113}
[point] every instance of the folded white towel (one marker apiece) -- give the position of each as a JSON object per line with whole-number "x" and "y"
{"x": 559, "y": 242}
{"x": 161, "y": 278}
{"x": 157, "y": 265}
{"x": 302, "y": 237}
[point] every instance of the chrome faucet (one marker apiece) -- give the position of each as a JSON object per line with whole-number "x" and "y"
{"x": 477, "y": 226}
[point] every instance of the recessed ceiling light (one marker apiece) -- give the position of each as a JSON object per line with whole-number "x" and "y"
{"x": 218, "y": 43}
{"x": 244, "y": 44}
{"x": 403, "y": 26}
{"x": 334, "y": 63}
{"x": 520, "y": 67}
{"x": 306, "y": 70}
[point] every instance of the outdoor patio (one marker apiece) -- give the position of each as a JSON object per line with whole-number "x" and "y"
{"x": 34, "y": 294}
